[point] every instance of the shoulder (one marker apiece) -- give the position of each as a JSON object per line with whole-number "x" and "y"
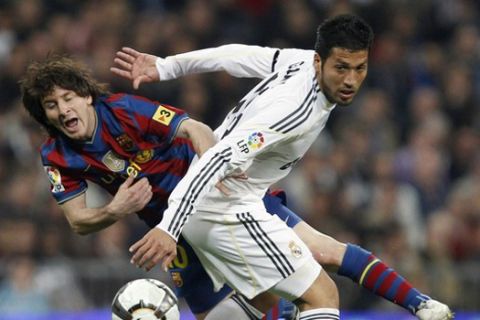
{"x": 287, "y": 57}
{"x": 49, "y": 145}
{"x": 126, "y": 102}
{"x": 53, "y": 151}
{"x": 296, "y": 80}
{"x": 118, "y": 101}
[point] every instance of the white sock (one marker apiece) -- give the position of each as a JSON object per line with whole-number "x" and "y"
{"x": 321, "y": 313}
{"x": 235, "y": 307}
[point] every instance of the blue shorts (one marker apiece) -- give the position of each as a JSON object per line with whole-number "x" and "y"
{"x": 190, "y": 279}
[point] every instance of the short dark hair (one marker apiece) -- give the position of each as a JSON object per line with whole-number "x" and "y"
{"x": 41, "y": 78}
{"x": 345, "y": 31}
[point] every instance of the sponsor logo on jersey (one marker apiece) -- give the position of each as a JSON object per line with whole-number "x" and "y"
{"x": 255, "y": 141}
{"x": 295, "y": 249}
{"x": 113, "y": 162}
{"x": 163, "y": 115}
{"x": 143, "y": 156}
{"x": 177, "y": 278}
{"x": 125, "y": 142}
{"x": 55, "y": 179}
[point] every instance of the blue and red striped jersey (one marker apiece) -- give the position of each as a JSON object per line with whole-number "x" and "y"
{"x": 133, "y": 135}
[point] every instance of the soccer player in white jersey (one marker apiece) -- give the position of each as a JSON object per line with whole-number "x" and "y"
{"x": 266, "y": 133}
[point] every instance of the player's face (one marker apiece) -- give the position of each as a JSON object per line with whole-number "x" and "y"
{"x": 69, "y": 113}
{"x": 341, "y": 74}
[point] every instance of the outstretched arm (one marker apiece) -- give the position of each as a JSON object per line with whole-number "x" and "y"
{"x": 236, "y": 59}
{"x": 130, "y": 198}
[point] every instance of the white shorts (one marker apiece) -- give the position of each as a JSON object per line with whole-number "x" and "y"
{"x": 251, "y": 252}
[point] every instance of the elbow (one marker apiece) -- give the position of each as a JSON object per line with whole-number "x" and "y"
{"x": 82, "y": 232}
{"x": 79, "y": 229}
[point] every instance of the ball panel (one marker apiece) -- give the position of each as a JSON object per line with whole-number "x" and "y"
{"x": 145, "y": 299}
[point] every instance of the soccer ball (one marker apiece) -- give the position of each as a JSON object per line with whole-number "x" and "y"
{"x": 145, "y": 299}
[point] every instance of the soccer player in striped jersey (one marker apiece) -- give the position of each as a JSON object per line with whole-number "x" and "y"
{"x": 290, "y": 106}
{"x": 134, "y": 148}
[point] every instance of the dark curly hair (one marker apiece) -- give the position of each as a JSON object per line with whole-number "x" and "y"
{"x": 345, "y": 31}
{"x": 61, "y": 71}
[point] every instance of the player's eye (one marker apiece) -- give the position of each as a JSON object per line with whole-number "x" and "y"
{"x": 49, "y": 105}
{"x": 362, "y": 67}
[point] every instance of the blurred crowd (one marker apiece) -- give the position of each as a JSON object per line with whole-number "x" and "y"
{"x": 398, "y": 171}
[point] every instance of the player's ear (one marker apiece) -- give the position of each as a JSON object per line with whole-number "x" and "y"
{"x": 317, "y": 62}
{"x": 89, "y": 99}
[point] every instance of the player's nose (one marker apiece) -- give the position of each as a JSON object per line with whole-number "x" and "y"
{"x": 350, "y": 79}
{"x": 63, "y": 108}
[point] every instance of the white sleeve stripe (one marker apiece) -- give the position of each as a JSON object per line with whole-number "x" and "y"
{"x": 267, "y": 245}
{"x": 186, "y": 205}
{"x": 286, "y": 121}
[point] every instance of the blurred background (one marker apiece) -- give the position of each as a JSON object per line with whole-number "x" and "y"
{"x": 397, "y": 172}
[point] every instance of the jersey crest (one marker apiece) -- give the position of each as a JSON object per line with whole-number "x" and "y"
{"x": 177, "y": 278}
{"x": 295, "y": 249}
{"x": 125, "y": 142}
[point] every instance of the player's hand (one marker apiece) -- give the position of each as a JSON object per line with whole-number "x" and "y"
{"x": 135, "y": 66}
{"x": 155, "y": 246}
{"x": 221, "y": 186}
{"x": 131, "y": 197}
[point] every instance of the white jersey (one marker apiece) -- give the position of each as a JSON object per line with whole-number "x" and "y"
{"x": 264, "y": 135}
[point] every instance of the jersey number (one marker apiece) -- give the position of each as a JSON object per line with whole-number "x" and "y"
{"x": 181, "y": 260}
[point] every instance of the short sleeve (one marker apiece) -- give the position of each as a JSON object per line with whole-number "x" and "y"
{"x": 149, "y": 117}
{"x": 63, "y": 185}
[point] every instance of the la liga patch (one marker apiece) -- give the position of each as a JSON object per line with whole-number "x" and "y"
{"x": 55, "y": 179}
{"x": 255, "y": 141}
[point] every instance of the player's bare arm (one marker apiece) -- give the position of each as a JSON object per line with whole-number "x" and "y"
{"x": 198, "y": 133}
{"x": 202, "y": 138}
{"x": 131, "y": 197}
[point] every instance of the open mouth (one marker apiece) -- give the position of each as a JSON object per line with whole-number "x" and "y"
{"x": 71, "y": 124}
{"x": 346, "y": 94}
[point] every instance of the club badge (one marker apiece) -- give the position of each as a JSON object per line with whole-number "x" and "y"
{"x": 125, "y": 142}
{"x": 295, "y": 249}
{"x": 177, "y": 279}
